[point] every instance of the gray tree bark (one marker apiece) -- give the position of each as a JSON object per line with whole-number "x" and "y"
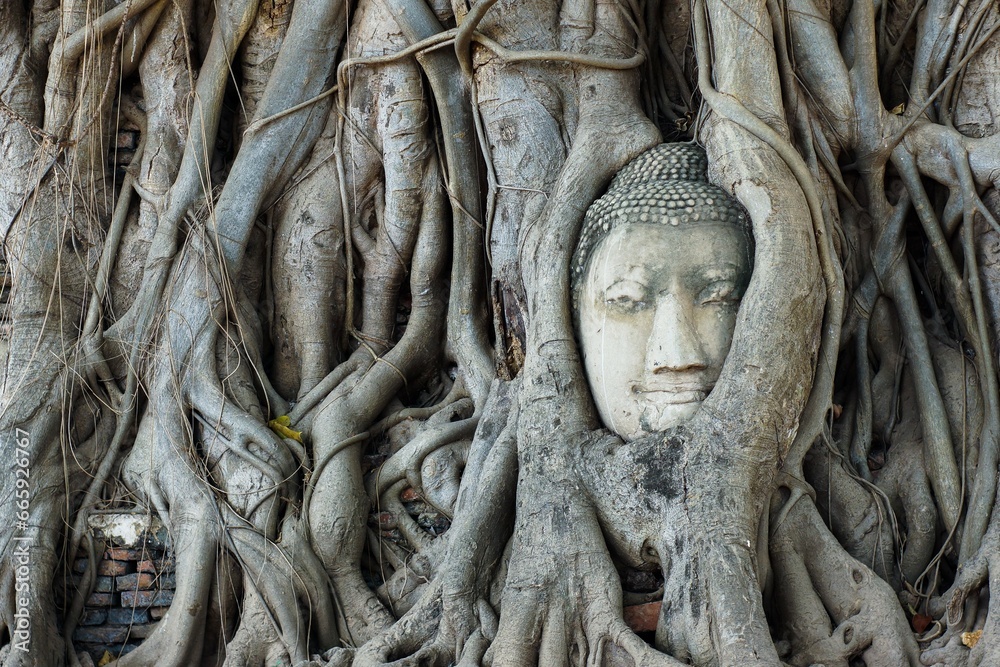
{"x": 329, "y": 303}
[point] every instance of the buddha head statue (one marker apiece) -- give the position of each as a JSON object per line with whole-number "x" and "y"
{"x": 663, "y": 260}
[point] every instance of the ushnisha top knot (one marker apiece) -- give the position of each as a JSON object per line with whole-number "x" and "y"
{"x": 666, "y": 162}
{"x": 668, "y": 184}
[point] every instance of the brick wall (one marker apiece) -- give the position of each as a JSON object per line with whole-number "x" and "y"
{"x": 134, "y": 585}
{"x": 123, "y": 150}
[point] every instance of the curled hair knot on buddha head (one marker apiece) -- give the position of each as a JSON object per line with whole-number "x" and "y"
{"x": 667, "y": 184}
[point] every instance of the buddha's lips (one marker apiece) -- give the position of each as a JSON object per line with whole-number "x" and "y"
{"x": 675, "y": 395}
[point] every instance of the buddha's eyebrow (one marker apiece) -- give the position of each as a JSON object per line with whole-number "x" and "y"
{"x": 714, "y": 273}
{"x": 635, "y": 274}
{"x": 722, "y": 270}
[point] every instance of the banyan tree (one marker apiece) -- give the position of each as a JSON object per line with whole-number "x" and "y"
{"x": 441, "y": 332}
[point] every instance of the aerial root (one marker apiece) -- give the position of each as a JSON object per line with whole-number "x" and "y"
{"x": 287, "y": 576}
{"x": 408, "y": 636}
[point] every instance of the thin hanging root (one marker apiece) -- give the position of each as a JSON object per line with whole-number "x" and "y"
{"x": 192, "y": 177}
{"x": 861, "y": 440}
{"x": 287, "y": 594}
{"x": 84, "y": 589}
{"x": 72, "y": 47}
{"x": 918, "y": 114}
{"x": 196, "y": 548}
{"x": 894, "y": 273}
{"x": 112, "y": 241}
{"x": 282, "y": 577}
{"x": 971, "y": 314}
{"x": 111, "y": 457}
{"x": 984, "y": 486}
{"x": 467, "y": 321}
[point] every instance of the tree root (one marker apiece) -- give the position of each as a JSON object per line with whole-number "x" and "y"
{"x": 562, "y": 600}
{"x": 817, "y": 581}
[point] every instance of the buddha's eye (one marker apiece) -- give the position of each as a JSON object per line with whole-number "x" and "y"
{"x": 626, "y": 303}
{"x": 722, "y": 292}
{"x": 626, "y": 297}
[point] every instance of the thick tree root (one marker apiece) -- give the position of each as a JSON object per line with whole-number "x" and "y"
{"x": 973, "y": 576}
{"x": 816, "y": 581}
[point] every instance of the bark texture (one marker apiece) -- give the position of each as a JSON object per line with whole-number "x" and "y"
{"x": 320, "y": 326}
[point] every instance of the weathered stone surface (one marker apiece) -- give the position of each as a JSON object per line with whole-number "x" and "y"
{"x": 158, "y": 612}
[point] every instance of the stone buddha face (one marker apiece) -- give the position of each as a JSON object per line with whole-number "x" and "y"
{"x": 657, "y": 310}
{"x": 657, "y": 291}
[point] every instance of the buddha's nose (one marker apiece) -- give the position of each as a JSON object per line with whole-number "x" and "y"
{"x": 674, "y": 345}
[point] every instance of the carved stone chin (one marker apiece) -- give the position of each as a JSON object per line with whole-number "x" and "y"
{"x": 656, "y": 295}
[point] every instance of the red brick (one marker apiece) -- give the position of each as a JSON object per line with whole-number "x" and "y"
{"x": 408, "y": 495}
{"x": 147, "y": 598}
{"x": 100, "y": 599}
{"x": 119, "y": 553}
{"x": 141, "y": 631}
{"x": 127, "y": 139}
{"x": 136, "y": 581}
{"x": 643, "y": 617}
{"x": 110, "y": 568}
{"x": 159, "y": 565}
{"x": 102, "y": 635}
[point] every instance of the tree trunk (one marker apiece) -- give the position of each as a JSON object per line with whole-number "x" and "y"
{"x": 325, "y": 326}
